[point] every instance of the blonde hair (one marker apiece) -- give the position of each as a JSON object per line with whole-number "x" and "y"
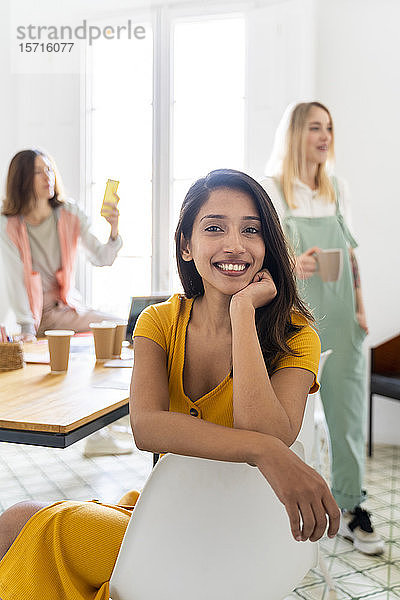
{"x": 294, "y": 159}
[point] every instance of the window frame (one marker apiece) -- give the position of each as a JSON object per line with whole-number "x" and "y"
{"x": 163, "y": 19}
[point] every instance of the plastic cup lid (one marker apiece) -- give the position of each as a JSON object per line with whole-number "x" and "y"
{"x": 59, "y": 332}
{"x": 103, "y": 325}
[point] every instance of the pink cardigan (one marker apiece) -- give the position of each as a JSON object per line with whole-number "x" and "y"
{"x": 68, "y": 227}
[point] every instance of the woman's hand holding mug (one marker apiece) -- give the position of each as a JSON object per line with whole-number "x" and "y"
{"x": 306, "y": 264}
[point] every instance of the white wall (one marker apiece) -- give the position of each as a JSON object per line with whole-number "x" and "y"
{"x": 358, "y": 77}
{"x": 7, "y": 96}
{"x": 36, "y": 110}
{"x": 7, "y": 123}
{"x": 280, "y": 69}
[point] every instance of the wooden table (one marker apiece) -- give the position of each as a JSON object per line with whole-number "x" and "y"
{"x": 57, "y": 410}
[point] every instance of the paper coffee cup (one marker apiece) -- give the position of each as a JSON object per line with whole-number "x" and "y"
{"x": 59, "y": 342}
{"x": 120, "y": 332}
{"x": 329, "y": 264}
{"x": 103, "y": 335}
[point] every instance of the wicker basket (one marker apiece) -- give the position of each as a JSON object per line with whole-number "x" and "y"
{"x": 11, "y": 356}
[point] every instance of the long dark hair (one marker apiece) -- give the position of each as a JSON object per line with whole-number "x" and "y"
{"x": 20, "y": 188}
{"x": 273, "y": 322}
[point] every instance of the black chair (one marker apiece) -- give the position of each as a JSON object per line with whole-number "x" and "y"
{"x": 384, "y": 376}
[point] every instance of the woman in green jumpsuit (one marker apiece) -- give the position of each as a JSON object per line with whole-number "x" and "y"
{"x": 311, "y": 206}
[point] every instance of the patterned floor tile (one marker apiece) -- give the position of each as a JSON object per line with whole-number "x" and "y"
{"x": 381, "y": 479}
{"x": 380, "y": 516}
{"x": 385, "y": 513}
{"x": 395, "y": 514}
{"x": 336, "y": 545}
{"x": 376, "y": 488}
{"x": 321, "y": 592}
{"x": 361, "y": 562}
{"x": 385, "y": 497}
{"x": 386, "y": 530}
{"x": 50, "y": 474}
{"x": 382, "y": 596}
{"x": 337, "y": 567}
{"x": 375, "y": 504}
{"x": 393, "y": 551}
{"x": 358, "y": 585}
{"x": 388, "y": 575}
{"x": 357, "y": 575}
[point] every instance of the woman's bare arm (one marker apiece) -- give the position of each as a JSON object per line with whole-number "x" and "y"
{"x": 269, "y": 405}
{"x": 275, "y": 405}
{"x": 156, "y": 429}
{"x": 303, "y": 492}
{"x": 360, "y": 309}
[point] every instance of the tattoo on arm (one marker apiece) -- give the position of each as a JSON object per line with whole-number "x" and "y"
{"x": 356, "y": 272}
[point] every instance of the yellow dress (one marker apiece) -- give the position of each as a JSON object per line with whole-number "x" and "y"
{"x": 67, "y": 550}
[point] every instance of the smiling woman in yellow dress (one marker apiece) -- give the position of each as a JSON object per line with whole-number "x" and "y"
{"x": 221, "y": 371}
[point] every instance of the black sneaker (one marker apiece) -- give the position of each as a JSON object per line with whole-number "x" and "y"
{"x": 355, "y": 525}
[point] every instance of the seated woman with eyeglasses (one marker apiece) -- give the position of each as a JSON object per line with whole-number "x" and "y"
{"x": 39, "y": 235}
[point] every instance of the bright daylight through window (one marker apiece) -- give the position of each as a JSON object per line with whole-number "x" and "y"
{"x": 206, "y": 131}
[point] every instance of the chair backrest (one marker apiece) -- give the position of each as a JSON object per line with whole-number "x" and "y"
{"x": 322, "y": 361}
{"x": 205, "y": 529}
{"x": 306, "y": 433}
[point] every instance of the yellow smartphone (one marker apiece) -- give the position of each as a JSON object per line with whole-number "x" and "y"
{"x": 111, "y": 188}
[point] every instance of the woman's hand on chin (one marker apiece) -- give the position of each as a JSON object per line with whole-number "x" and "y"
{"x": 258, "y": 293}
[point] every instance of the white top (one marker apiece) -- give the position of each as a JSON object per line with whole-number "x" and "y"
{"x": 97, "y": 253}
{"x": 45, "y": 251}
{"x": 309, "y": 202}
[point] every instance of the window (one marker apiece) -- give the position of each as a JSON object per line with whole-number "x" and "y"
{"x": 208, "y": 102}
{"x": 205, "y": 130}
{"x": 203, "y": 91}
{"x": 121, "y": 148}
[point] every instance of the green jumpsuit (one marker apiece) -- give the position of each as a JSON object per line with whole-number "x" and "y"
{"x": 343, "y": 380}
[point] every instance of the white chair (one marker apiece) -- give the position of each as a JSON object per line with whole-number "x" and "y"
{"x": 209, "y": 530}
{"x": 321, "y": 445}
{"x": 314, "y": 438}
{"x": 314, "y": 434}
{"x": 205, "y": 529}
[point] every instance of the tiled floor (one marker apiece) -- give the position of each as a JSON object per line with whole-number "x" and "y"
{"x": 51, "y": 474}
{"x": 356, "y": 575}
